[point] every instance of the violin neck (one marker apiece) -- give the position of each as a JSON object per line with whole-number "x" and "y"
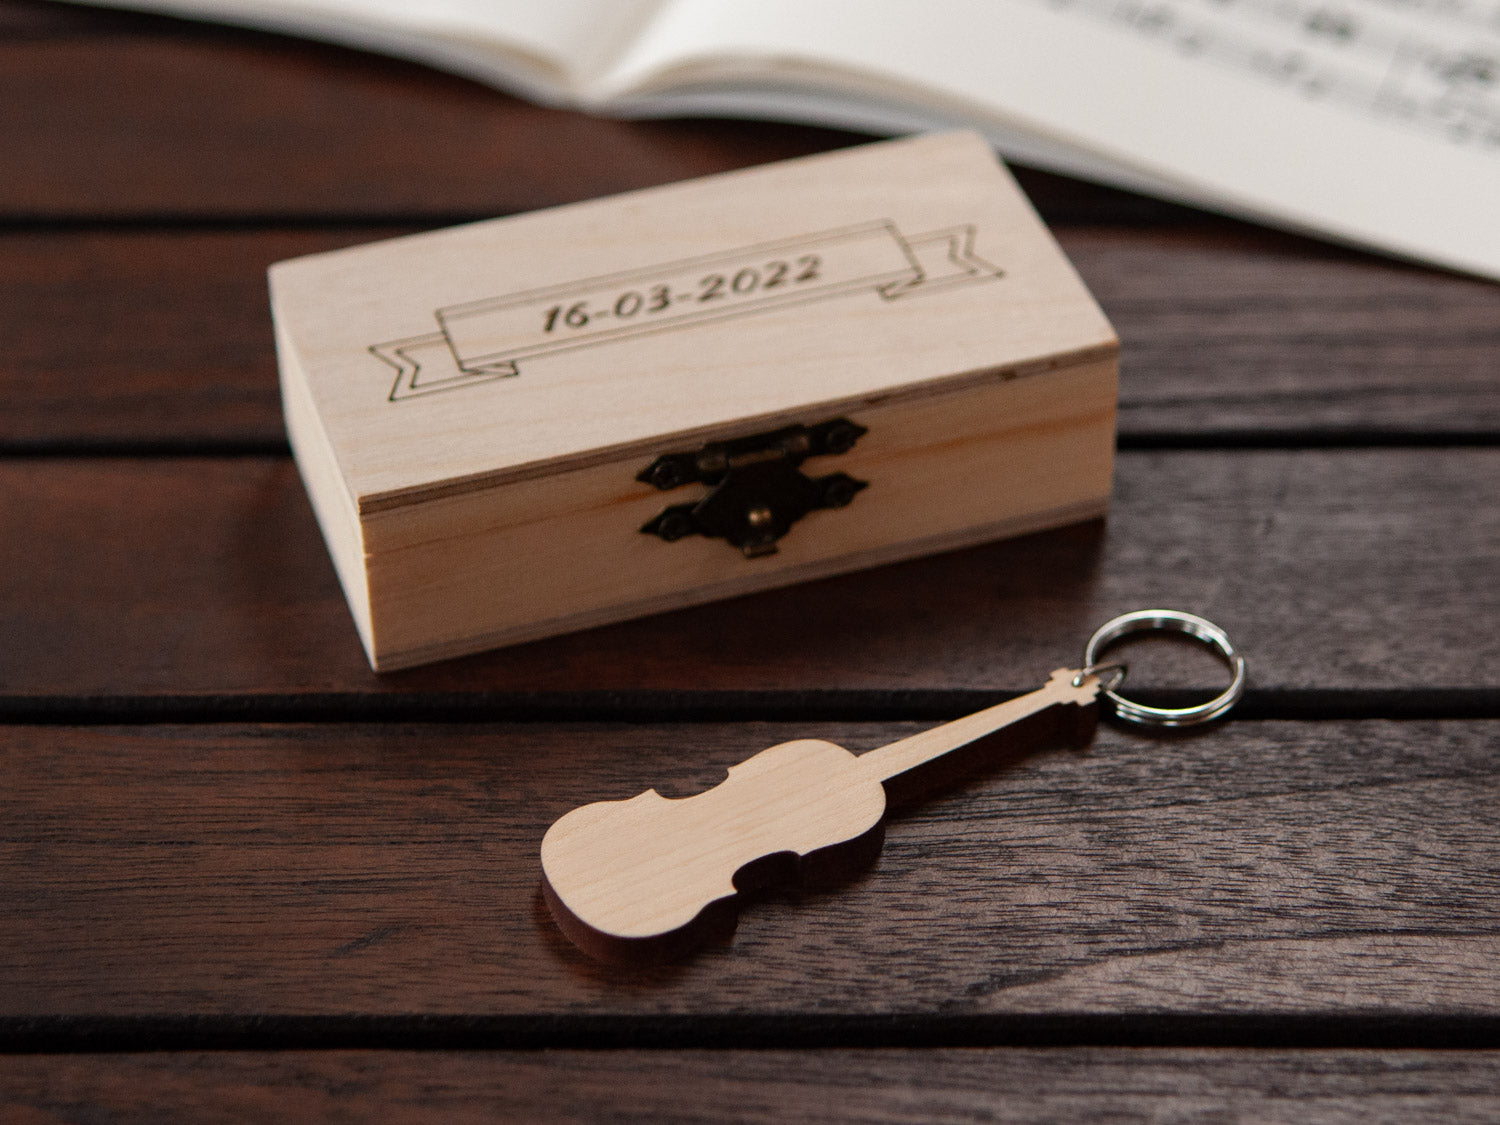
{"x": 1060, "y": 692}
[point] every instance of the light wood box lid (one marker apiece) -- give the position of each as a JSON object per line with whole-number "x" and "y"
{"x": 460, "y": 304}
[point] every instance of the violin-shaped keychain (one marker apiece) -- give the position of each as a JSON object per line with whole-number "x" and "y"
{"x": 651, "y": 878}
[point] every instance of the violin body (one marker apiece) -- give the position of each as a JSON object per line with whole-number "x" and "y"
{"x": 652, "y": 877}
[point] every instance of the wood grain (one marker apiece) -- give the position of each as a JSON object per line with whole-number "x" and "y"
{"x": 361, "y": 135}
{"x": 148, "y": 337}
{"x": 454, "y": 1088}
{"x": 1333, "y": 871}
{"x": 44, "y": 19}
{"x": 181, "y": 124}
{"x": 163, "y": 338}
{"x": 1336, "y": 572}
{"x": 1241, "y": 334}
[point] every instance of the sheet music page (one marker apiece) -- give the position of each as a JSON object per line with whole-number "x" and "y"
{"x": 1373, "y": 121}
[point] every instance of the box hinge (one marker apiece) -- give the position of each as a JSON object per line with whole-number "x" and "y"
{"x": 757, "y": 487}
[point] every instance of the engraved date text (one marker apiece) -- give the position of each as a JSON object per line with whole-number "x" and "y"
{"x": 646, "y": 301}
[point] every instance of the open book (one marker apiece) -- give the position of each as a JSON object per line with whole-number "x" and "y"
{"x": 1372, "y": 122}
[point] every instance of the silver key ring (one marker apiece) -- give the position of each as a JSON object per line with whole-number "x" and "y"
{"x": 1171, "y": 621}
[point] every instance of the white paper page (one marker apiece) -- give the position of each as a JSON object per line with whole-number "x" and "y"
{"x": 1374, "y": 121}
{"x": 875, "y": 112}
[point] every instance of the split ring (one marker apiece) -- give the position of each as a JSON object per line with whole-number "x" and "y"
{"x": 1169, "y": 621}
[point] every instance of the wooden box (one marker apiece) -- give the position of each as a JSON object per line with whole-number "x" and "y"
{"x": 542, "y": 423}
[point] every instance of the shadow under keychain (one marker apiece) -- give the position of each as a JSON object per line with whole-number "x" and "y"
{"x": 651, "y": 878}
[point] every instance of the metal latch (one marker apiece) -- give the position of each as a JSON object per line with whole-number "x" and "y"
{"x": 758, "y": 488}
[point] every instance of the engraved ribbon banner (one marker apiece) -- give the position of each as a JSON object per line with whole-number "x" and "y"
{"x": 480, "y": 341}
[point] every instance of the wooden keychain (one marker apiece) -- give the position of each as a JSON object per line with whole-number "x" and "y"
{"x": 651, "y": 878}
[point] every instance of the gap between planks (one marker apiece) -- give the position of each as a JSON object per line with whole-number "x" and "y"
{"x": 750, "y": 1031}
{"x": 649, "y": 706}
{"x": 1183, "y": 441}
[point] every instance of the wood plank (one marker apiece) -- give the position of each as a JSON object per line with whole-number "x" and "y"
{"x": 1351, "y": 571}
{"x": 163, "y": 338}
{"x": 180, "y": 123}
{"x": 144, "y": 337}
{"x": 92, "y": 86}
{"x": 42, "y": 18}
{"x": 1339, "y": 873}
{"x": 1240, "y": 333}
{"x": 1081, "y": 1084}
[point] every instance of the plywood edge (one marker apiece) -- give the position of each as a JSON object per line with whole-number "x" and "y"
{"x": 379, "y": 502}
{"x": 332, "y": 504}
{"x": 896, "y": 552}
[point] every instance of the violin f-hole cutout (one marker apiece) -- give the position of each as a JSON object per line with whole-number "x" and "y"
{"x": 650, "y": 879}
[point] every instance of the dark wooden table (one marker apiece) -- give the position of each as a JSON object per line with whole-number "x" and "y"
{"x": 241, "y": 875}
